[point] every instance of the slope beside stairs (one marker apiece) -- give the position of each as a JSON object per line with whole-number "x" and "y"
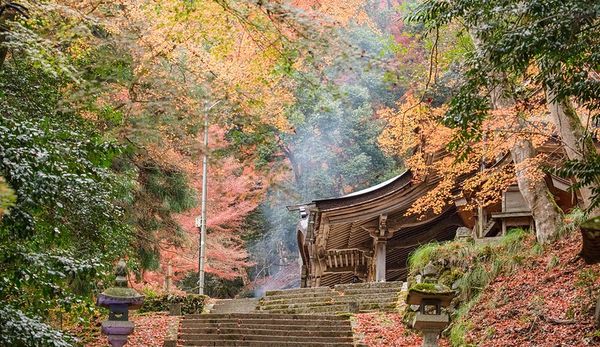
{"x": 293, "y": 317}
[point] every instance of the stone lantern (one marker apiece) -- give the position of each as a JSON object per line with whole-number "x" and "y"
{"x": 119, "y": 300}
{"x": 431, "y": 297}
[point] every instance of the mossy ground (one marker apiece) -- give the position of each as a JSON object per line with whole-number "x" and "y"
{"x": 517, "y": 292}
{"x": 539, "y": 305}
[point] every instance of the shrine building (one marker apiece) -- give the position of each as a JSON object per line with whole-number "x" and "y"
{"x": 367, "y": 236}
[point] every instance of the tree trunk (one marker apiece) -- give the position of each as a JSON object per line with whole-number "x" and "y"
{"x": 244, "y": 275}
{"x": 9, "y": 15}
{"x": 577, "y": 145}
{"x": 294, "y": 163}
{"x": 546, "y": 214}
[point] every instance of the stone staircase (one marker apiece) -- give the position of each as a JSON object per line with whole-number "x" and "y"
{"x": 234, "y": 306}
{"x": 265, "y": 330}
{"x": 353, "y": 298}
{"x": 293, "y": 317}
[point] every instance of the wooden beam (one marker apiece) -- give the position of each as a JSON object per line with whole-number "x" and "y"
{"x": 398, "y": 246}
{"x": 346, "y": 269}
{"x": 397, "y": 267}
{"x": 415, "y": 222}
{"x": 383, "y": 229}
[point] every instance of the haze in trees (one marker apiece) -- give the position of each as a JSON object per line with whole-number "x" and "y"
{"x": 103, "y": 107}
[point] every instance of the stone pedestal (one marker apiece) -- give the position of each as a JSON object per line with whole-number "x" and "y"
{"x": 437, "y": 322}
{"x": 175, "y": 309}
{"x": 117, "y": 332}
{"x": 430, "y": 337}
{"x": 463, "y": 233}
{"x": 431, "y": 326}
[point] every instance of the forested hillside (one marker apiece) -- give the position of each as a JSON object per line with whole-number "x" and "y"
{"x": 103, "y": 108}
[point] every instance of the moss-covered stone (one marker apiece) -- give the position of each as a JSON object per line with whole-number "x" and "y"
{"x": 430, "y": 288}
{"x": 121, "y": 293}
{"x": 450, "y": 276}
{"x": 591, "y": 224}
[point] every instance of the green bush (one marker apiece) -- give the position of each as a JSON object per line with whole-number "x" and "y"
{"x": 572, "y": 221}
{"x": 19, "y": 330}
{"x": 422, "y": 255}
{"x": 190, "y": 304}
{"x": 214, "y": 286}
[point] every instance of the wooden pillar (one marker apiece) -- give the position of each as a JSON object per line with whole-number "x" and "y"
{"x": 319, "y": 270}
{"x": 303, "y": 277}
{"x": 313, "y": 265}
{"x": 380, "y": 253}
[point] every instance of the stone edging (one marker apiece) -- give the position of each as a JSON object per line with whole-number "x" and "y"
{"x": 172, "y": 330}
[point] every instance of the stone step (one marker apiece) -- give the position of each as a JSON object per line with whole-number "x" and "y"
{"x": 298, "y": 291}
{"x": 299, "y": 296}
{"x": 234, "y": 306}
{"x": 228, "y": 302}
{"x": 345, "y": 302}
{"x": 394, "y": 284}
{"x": 369, "y": 297}
{"x": 263, "y": 322}
{"x": 267, "y": 329}
{"x": 300, "y": 304}
{"x": 369, "y": 291}
{"x": 274, "y": 326}
{"x": 239, "y": 343}
{"x": 243, "y": 331}
{"x": 277, "y": 300}
{"x": 212, "y": 316}
{"x": 331, "y": 309}
{"x": 340, "y": 298}
{"x": 359, "y": 301}
{"x": 195, "y": 338}
{"x": 328, "y": 309}
{"x": 333, "y": 294}
{"x": 231, "y": 310}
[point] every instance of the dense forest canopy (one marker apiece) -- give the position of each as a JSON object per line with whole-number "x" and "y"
{"x": 103, "y": 107}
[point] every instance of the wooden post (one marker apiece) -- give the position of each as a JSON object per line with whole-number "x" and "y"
{"x": 380, "y": 255}
{"x": 480, "y": 222}
{"x": 169, "y": 277}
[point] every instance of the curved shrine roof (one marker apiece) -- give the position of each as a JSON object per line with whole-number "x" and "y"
{"x": 377, "y": 191}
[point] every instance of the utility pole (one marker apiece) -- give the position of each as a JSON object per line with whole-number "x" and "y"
{"x": 201, "y": 221}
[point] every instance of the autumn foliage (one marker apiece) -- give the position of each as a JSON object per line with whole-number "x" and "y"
{"x": 387, "y": 329}
{"x": 235, "y": 189}
{"x": 415, "y": 131}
